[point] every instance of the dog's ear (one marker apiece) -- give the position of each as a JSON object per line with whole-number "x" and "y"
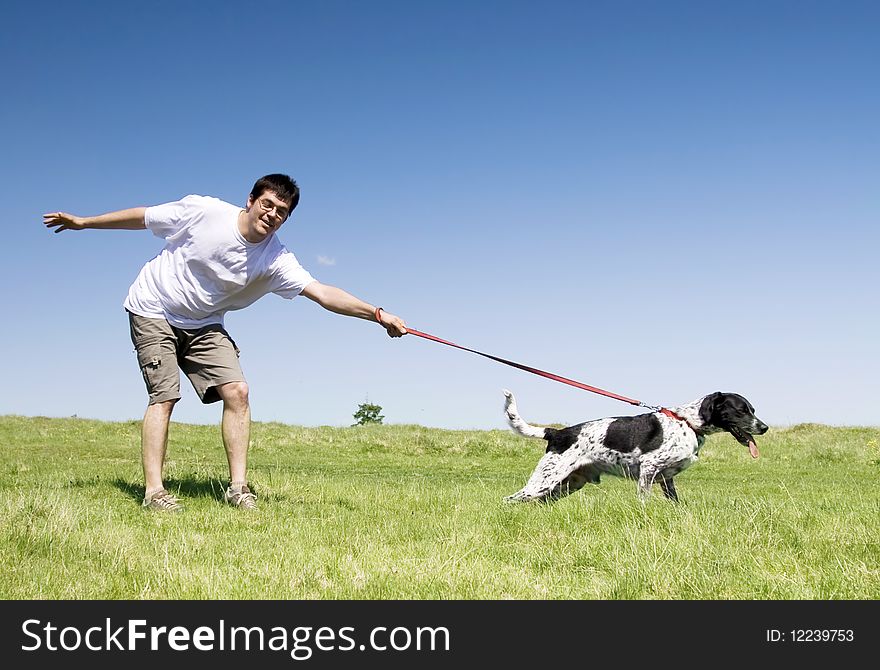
{"x": 709, "y": 407}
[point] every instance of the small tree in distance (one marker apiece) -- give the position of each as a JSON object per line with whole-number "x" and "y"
{"x": 368, "y": 413}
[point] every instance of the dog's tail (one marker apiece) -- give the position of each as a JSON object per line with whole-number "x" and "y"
{"x": 516, "y": 421}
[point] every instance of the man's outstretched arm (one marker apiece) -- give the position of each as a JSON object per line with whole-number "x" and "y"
{"x": 341, "y": 302}
{"x": 124, "y": 219}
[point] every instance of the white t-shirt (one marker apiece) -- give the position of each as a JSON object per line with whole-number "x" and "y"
{"x": 207, "y": 268}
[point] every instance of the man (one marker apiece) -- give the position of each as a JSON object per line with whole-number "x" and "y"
{"x": 217, "y": 258}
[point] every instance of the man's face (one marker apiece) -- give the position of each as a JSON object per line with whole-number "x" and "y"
{"x": 264, "y": 216}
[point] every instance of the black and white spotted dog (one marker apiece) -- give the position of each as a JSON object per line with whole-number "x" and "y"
{"x": 647, "y": 447}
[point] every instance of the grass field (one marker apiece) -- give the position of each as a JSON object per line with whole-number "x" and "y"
{"x": 404, "y": 512}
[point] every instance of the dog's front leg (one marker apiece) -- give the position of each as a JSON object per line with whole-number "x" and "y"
{"x": 646, "y": 479}
{"x": 668, "y": 487}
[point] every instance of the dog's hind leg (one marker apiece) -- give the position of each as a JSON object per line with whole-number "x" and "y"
{"x": 668, "y": 487}
{"x": 555, "y": 476}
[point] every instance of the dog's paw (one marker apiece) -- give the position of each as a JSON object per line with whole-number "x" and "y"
{"x": 520, "y": 497}
{"x": 534, "y": 499}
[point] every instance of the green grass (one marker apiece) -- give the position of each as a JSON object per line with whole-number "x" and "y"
{"x": 404, "y": 512}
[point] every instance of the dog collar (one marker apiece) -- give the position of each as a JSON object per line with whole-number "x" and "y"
{"x": 673, "y": 415}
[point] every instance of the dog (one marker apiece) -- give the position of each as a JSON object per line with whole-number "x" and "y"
{"x": 646, "y": 447}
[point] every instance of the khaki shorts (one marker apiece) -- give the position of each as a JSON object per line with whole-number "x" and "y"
{"x": 207, "y": 356}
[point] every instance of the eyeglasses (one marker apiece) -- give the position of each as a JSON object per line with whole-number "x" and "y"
{"x": 267, "y": 206}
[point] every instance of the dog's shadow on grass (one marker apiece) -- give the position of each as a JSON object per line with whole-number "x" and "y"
{"x": 186, "y": 487}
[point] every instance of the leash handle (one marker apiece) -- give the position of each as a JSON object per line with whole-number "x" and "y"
{"x": 535, "y": 371}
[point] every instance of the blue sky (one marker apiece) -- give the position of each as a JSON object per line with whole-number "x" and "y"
{"x": 663, "y": 199}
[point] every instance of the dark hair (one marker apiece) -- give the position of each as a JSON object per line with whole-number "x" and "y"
{"x": 281, "y": 185}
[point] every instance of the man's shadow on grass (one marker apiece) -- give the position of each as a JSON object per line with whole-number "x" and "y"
{"x": 185, "y": 487}
{"x": 193, "y": 487}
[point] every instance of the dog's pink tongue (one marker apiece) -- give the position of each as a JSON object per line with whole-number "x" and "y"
{"x": 753, "y": 449}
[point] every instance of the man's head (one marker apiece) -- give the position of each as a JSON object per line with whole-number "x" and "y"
{"x": 284, "y": 188}
{"x": 270, "y": 202}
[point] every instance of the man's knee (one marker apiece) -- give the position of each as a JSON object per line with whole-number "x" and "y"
{"x": 164, "y": 407}
{"x": 234, "y": 394}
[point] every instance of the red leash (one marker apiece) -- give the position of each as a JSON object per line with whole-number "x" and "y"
{"x": 536, "y": 371}
{"x": 543, "y": 373}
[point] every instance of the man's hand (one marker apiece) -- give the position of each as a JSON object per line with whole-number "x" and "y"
{"x": 394, "y": 325}
{"x": 63, "y": 221}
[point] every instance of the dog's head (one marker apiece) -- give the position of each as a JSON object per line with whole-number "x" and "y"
{"x": 735, "y": 414}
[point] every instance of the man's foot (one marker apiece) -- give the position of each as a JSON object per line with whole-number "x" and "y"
{"x": 162, "y": 501}
{"x": 242, "y": 498}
